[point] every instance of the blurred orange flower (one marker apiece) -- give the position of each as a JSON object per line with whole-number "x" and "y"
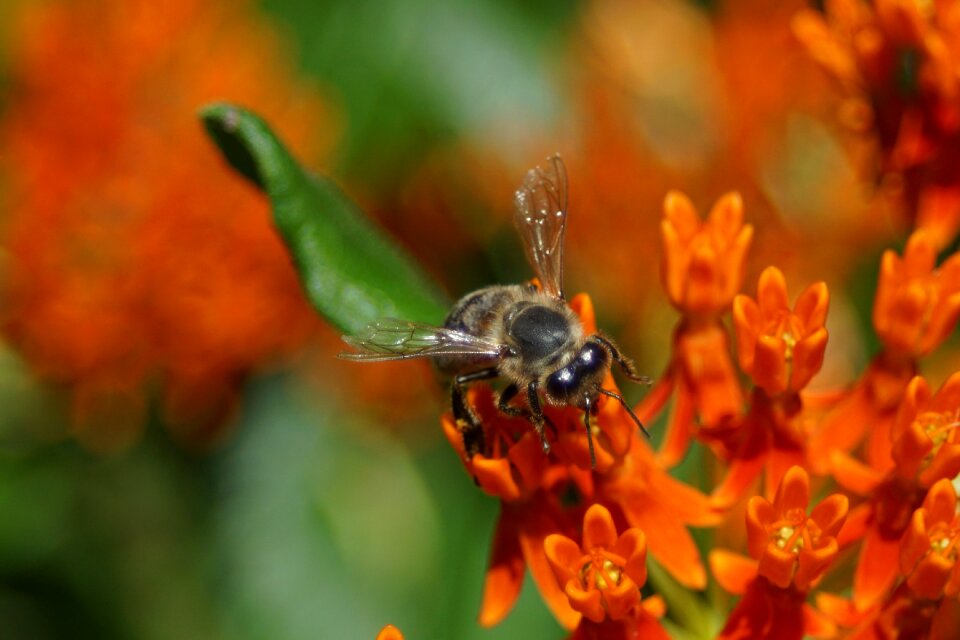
{"x": 703, "y": 261}
{"x": 896, "y": 62}
{"x": 134, "y": 255}
{"x": 917, "y": 304}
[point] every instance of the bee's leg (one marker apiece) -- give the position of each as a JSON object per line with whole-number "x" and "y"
{"x": 626, "y": 364}
{"x": 536, "y": 414}
{"x": 503, "y": 404}
{"x": 623, "y": 403}
{"x": 467, "y": 421}
{"x": 586, "y": 423}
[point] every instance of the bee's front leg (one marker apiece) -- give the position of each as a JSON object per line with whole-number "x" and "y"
{"x": 536, "y": 413}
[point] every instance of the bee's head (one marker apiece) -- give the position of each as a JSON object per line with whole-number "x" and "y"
{"x": 579, "y": 380}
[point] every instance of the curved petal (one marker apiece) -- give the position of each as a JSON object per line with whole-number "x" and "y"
{"x": 564, "y": 555}
{"x": 808, "y": 359}
{"x": 733, "y": 571}
{"x": 915, "y": 542}
{"x": 667, "y": 540}
{"x": 621, "y": 598}
{"x": 794, "y": 490}
{"x": 811, "y": 307}
{"x": 876, "y": 569}
{"x": 760, "y": 515}
{"x": 770, "y": 364}
{"x": 632, "y": 546}
{"x": 930, "y": 576}
{"x": 772, "y": 292}
{"x": 599, "y": 530}
{"x": 853, "y": 475}
{"x": 726, "y": 216}
{"x": 813, "y": 562}
{"x": 777, "y": 566}
{"x": 830, "y": 514}
{"x": 587, "y": 602}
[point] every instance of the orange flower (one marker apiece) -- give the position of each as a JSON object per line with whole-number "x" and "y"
{"x": 791, "y": 546}
{"x": 897, "y": 63}
{"x": 928, "y": 551}
{"x": 703, "y": 261}
{"x": 389, "y": 632}
{"x": 602, "y": 575}
{"x": 926, "y": 448}
{"x": 134, "y": 256}
{"x": 927, "y": 432}
{"x": 917, "y": 305}
{"x": 915, "y": 309}
{"x": 790, "y": 550}
{"x": 781, "y": 349}
{"x": 702, "y": 271}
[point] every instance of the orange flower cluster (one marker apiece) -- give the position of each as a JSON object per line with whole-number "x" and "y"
{"x": 776, "y": 429}
{"x": 543, "y": 495}
{"x": 896, "y": 63}
{"x": 135, "y": 259}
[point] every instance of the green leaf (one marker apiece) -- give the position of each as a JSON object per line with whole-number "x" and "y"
{"x": 352, "y": 272}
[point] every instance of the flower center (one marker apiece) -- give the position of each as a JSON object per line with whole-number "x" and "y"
{"x": 794, "y": 532}
{"x": 944, "y": 539}
{"x": 939, "y": 427}
{"x": 603, "y": 570}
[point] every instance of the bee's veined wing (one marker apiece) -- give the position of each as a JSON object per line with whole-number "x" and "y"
{"x": 391, "y": 339}
{"x": 540, "y": 216}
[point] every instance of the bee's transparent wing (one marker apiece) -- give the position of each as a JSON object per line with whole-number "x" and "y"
{"x": 391, "y": 339}
{"x": 541, "y": 217}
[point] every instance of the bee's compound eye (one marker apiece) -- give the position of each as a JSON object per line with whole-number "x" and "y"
{"x": 591, "y": 357}
{"x": 561, "y": 382}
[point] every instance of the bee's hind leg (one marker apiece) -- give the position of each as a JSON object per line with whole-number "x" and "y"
{"x": 471, "y": 429}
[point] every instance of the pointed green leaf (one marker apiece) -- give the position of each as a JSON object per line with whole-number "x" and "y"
{"x": 352, "y": 272}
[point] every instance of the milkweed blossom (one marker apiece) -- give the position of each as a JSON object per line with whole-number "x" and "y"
{"x": 134, "y": 258}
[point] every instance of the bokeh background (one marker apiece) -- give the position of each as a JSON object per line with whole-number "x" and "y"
{"x": 181, "y": 455}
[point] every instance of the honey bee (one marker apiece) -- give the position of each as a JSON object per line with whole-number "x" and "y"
{"x": 523, "y": 334}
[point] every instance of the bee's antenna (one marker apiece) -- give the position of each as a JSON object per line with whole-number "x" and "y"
{"x": 623, "y": 402}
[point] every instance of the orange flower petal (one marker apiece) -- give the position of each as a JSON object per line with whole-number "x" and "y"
{"x": 770, "y": 364}
{"x": 599, "y": 530}
{"x": 587, "y": 602}
{"x": 760, "y": 514}
{"x": 830, "y": 514}
{"x": 853, "y": 475}
{"x": 777, "y": 566}
{"x": 733, "y": 571}
{"x": 930, "y": 576}
{"x": 504, "y": 578}
{"x": 817, "y": 625}
{"x": 564, "y": 556}
{"x": 794, "y": 490}
{"x": 772, "y": 292}
{"x": 813, "y": 562}
{"x": 632, "y": 546}
{"x": 876, "y": 569}
{"x": 808, "y": 358}
{"x": 389, "y": 632}
{"x": 621, "y": 598}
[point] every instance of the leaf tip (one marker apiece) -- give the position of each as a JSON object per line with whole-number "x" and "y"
{"x": 223, "y": 122}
